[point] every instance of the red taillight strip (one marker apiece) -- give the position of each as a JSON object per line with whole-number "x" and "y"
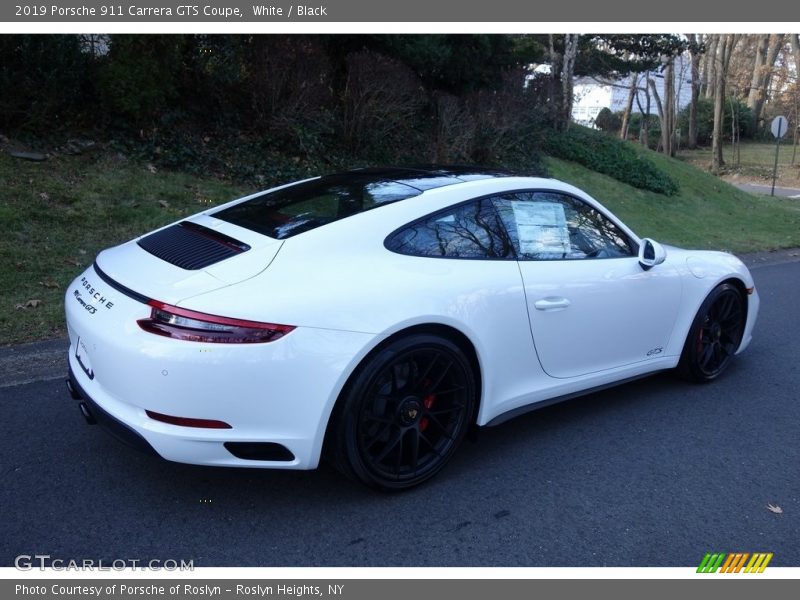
{"x": 194, "y": 326}
{"x": 192, "y": 314}
{"x": 188, "y": 422}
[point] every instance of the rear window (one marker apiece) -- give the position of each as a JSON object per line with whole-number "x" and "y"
{"x": 304, "y": 206}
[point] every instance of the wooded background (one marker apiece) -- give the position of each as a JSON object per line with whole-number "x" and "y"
{"x": 243, "y": 105}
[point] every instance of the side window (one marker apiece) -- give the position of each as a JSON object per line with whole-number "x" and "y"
{"x": 471, "y": 230}
{"x": 554, "y": 226}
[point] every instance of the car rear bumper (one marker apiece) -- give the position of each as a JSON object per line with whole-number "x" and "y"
{"x": 275, "y": 397}
{"x": 94, "y": 414}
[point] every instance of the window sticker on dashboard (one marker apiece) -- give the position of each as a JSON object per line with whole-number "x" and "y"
{"x": 541, "y": 227}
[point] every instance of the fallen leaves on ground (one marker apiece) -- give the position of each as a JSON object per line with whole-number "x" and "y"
{"x": 32, "y": 303}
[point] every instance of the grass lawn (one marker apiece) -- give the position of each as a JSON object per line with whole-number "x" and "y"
{"x": 755, "y": 162}
{"x": 55, "y": 216}
{"x": 707, "y": 213}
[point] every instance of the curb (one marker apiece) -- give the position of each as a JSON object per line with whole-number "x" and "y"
{"x": 32, "y": 362}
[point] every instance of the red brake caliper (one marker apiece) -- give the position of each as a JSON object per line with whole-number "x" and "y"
{"x": 427, "y": 402}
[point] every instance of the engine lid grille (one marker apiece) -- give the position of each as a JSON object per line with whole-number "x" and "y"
{"x": 191, "y": 246}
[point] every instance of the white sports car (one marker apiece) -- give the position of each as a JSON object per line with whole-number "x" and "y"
{"x": 376, "y": 316}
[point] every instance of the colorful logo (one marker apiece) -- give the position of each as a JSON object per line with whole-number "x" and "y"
{"x": 734, "y": 562}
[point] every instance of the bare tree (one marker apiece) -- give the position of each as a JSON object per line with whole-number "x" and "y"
{"x": 767, "y": 50}
{"x": 709, "y": 66}
{"x": 696, "y": 54}
{"x": 659, "y": 107}
{"x": 668, "y": 118}
{"x": 626, "y": 115}
{"x": 567, "y": 70}
{"x": 725, "y": 45}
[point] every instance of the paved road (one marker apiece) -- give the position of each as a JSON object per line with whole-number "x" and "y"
{"x": 656, "y": 472}
{"x": 756, "y": 188}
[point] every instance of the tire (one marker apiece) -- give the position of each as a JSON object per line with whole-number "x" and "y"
{"x": 404, "y": 413}
{"x": 715, "y": 335}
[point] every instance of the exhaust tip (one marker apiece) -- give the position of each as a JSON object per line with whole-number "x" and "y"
{"x": 71, "y": 389}
{"x": 87, "y": 414}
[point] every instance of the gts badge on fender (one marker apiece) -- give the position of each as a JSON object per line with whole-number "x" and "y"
{"x": 655, "y": 351}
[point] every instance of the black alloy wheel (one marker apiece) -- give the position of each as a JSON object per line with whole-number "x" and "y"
{"x": 715, "y": 334}
{"x": 405, "y": 413}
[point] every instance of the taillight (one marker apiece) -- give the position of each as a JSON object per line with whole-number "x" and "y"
{"x": 182, "y": 324}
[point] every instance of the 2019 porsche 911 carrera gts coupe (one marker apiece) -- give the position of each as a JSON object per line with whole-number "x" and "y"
{"x": 375, "y": 316}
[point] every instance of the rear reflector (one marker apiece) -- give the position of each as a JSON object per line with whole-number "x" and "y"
{"x": 189, "y": 325}
{"x": 188, "y": 422}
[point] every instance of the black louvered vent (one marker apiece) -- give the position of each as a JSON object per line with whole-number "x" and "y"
{"x": 191, "y": 246}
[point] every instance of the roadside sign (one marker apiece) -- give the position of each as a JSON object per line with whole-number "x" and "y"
{"x": 780, "y": 125}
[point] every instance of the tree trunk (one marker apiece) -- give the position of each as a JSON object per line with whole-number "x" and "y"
{"x": 757, "y": 74}
{"x": 567, "y": 69}
{"x": 660, "y": 108}
{"x": 722, "y": 61}
{"x": 709, "y": 70}
{"x": 626, "y": 116}
{"x": 555, "y": 77}
{"x": 692, "y": 133}
{"x": 644, "y": 131}
{"x": 767, "y": 51}
{"x": 795, "y": 38}
{"x": 668, "y": 120}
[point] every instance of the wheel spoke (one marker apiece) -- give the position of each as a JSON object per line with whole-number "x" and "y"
{"x": 442, "y": 411}
{"x": 430, "y": 443}
{"x": 708, "y": 352}
{"x": 398, "y": 459}
{"x": 458, "y": 388}
{"x": 372, "y": 441}
{"x": 414, "y": 433}
{"x": 370, "y": 418}
{"x": 722, "y": 307}
{"x": 441, "y": 376}
{"x": 435, "y": 421}
{"x": 421, "y": 379}
{"x": 390, "y": 445}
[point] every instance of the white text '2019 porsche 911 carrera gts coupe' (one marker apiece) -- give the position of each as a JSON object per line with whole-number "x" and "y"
{"x": 375, "y": 316}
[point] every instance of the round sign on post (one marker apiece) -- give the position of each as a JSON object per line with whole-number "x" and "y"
{"x": 780, "y": 125}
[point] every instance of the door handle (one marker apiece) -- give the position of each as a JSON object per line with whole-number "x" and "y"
{"x": 551, "y": 304}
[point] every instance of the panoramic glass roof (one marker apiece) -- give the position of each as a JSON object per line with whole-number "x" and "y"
{"x": 304, "y": 206}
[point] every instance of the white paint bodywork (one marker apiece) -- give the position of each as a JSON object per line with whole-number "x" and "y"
{"x": 346, "y": 293}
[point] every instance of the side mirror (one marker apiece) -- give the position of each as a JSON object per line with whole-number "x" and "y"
{"x": 651, "y": 253}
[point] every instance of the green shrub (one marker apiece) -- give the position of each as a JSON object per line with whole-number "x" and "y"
{"x": 611, "y": 157}
{"x": 608, "y": 121}
{"x": 705, "y": 120}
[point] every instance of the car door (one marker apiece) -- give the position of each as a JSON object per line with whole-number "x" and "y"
{"x": 591, "y": 305}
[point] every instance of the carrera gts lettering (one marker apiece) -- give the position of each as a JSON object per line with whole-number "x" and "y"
{"x": 89, "y": 308}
